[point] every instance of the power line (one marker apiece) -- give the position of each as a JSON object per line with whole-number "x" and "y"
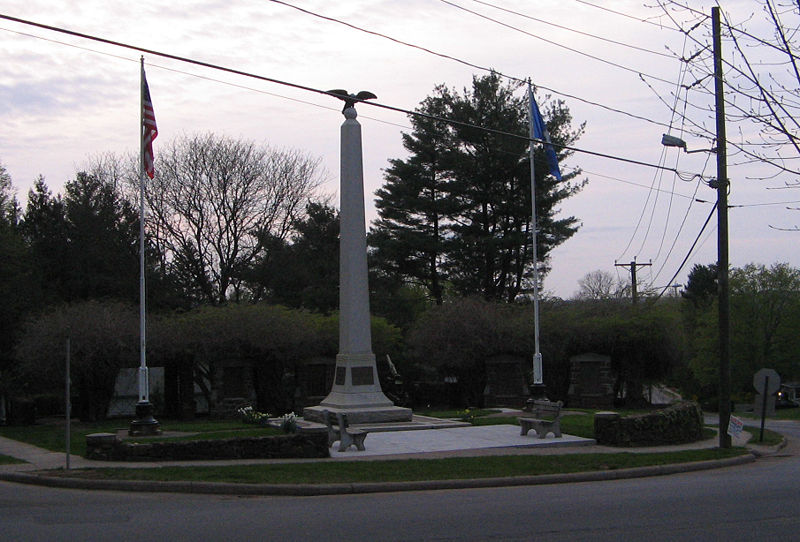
{"x": 327, "y": 93}
{"x": 198, "y": 76}
{"x": 551, "y": 42}
{"x": 466, "y": 63}
{"x": 587, "y": 34}
{"x": 609, "y": 10}
{"x": 680, "y": 267}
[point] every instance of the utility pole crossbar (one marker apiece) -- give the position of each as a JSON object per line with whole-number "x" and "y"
{"x": 632, "y": 268}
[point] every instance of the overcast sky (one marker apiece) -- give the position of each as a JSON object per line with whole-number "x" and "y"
{"x": 65, "y": 99}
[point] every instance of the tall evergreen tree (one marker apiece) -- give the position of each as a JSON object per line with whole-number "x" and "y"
{"x": 45, "y": 232}
{"x": 85, "y": 245}
{"x": 457, "y": 210}
{"x": 303, "y": 273}
{"x": 18, "y": 290}
{"x": 409, "y": 237}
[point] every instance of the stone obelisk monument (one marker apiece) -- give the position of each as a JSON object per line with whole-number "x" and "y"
{"x": 356, "y": 389}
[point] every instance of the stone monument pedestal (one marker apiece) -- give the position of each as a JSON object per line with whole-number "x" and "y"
{"x": 360, "y": 415}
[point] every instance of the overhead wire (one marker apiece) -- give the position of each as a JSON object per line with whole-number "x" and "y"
{"x": 328, "y": 93}
{"x": 653, "y": 190}
{"x": 573, "y": 30}
{"x": 680, "y": 228}
{"x": 674, "y": 109}
{"x": 691, "y": 249}
{"x": 615, "y": 12}
{"x": 197, "y": 76}
{"x": 467, "y": 63}
{"x": 556, "y": 44}
{"x": 776, "y": 161}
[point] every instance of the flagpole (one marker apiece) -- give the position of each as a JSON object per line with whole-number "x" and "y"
{"x": 538, "y": 383}
{"x": 145, "y": 423}
{"x": 144, "y": 384}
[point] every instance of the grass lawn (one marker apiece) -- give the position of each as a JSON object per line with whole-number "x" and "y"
{"x": 6, "y": 460}
{"x": 474, "y": 412}
{"x": 408, "y": 470}
{"x": 771, "y": 438}
{"x": 787, "y": 414}
{"x": 780, "y": 414}
{"x": 52, "y": 436}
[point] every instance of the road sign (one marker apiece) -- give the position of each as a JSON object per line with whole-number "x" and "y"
{"x": 769, "y": 379}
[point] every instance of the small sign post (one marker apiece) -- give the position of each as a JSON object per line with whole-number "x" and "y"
{"x": 67, "y": 407}
{"x": 766, "y": 382}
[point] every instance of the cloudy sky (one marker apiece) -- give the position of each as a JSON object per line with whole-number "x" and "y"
{"x": 65, "y": 99}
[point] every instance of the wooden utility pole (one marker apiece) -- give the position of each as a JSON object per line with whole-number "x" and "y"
{"x": 722, "y": 242}
{"x": 633, "y": 265}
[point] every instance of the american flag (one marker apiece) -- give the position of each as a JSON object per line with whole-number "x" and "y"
{"x": 149, "y": 129}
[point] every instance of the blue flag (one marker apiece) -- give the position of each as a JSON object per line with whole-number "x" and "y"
{"x": 540, "y": 132}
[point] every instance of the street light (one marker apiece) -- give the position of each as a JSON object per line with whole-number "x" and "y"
{"x": 672, "y": 141}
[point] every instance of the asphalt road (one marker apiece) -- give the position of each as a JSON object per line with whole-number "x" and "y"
{"x": 758, "y": 501}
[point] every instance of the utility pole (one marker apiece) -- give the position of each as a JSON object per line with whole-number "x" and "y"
{"x": 633, "y": 265}
{"x": 722, "y": 242}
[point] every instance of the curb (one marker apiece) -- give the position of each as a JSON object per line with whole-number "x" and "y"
{"x": 305, "y": 490}
{"x": 765, "y": 451}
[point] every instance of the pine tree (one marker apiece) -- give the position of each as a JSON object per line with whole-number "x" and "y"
{"x": 456, "y": 213}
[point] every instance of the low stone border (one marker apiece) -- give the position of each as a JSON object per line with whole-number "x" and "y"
{"x": 677, "y": 424}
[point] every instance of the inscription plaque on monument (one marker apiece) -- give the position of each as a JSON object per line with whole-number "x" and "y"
{"x": 362, "y": 376}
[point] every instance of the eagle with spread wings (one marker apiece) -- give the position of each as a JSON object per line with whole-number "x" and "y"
{"x": 351, "y": 99}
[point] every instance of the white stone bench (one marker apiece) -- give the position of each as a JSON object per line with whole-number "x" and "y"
{"x": 338, "y": 429}
{"x": 544, "y": 418}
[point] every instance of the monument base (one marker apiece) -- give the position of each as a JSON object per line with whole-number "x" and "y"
{"x": 359, "y": 415}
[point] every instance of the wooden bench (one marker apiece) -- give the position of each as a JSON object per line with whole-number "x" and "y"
{"x": 544, "y": 418}
{"x": 338, "y": 429}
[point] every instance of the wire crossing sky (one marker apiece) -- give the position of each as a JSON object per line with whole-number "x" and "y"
{"x": 62, "y": 105}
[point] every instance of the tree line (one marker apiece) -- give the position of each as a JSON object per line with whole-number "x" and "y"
{"x": 236, "y": 229}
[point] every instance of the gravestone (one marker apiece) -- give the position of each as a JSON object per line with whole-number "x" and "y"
{"x": 314, "y": 380}
{"x": 505, "y": 381}
{"x": 591, "y": 381}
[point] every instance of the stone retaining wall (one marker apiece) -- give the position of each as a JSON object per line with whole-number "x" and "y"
{"x": 676, "y": 424}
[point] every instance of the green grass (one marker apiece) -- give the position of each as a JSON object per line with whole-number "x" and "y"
{"x": 771, "y": 438}
{"x": 780, "y": 414}
{"x": 52, "y": 436}
{"x": 408, "y": 470}
{"x": 7, "y": 460}
{"x": 476, "y": 412}
{"x": 787, "y": 414}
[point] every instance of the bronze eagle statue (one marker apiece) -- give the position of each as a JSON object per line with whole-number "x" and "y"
{"x": 351, "y": 99}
